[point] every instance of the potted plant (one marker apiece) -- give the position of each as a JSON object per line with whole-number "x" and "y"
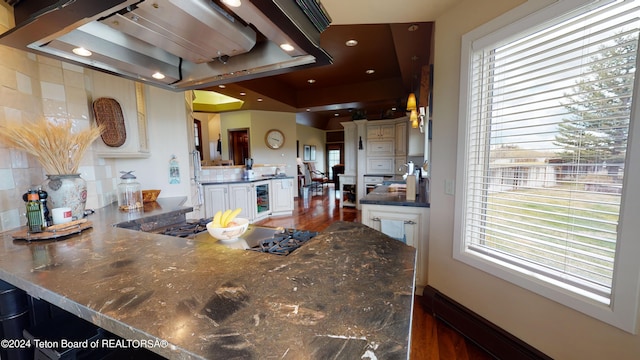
{"x": 58, "y": 147}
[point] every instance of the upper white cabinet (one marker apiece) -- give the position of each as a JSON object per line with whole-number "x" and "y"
{"x": 380, "y": 131}
{"x": 381, "y": 147}
{"x": 132, "y": 99}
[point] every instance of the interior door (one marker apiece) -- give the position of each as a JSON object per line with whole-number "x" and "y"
{"x": 239, "y": 146}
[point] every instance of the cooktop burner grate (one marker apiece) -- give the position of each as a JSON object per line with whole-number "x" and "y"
{"x": 284, "y": 243}
{"x": 187, "y": 229}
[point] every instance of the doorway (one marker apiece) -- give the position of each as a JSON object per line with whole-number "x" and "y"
{"x": 239, "y": 145}
{"x": 335, "y": 156}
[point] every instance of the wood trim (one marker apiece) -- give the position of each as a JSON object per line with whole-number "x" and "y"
{"x": 485, "y": 334}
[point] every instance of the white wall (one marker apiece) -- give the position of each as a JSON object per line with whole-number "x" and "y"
{"x": 554, "y": 329}
{"x": 168, "y": 135}
{"x": 311, "y": 136}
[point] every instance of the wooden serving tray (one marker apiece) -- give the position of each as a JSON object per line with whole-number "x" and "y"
{"x": 55, "y": 231}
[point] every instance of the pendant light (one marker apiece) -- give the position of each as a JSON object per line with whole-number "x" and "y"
{"x": 414, "y": 118}
{"x": 411, "y": 102}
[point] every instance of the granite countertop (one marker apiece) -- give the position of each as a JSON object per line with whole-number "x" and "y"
{"x": 243, "y": 180}
{"x": 347, "y": 293}
{"x": 382, "y": 196}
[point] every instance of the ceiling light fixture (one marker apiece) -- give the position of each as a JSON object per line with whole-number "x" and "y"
{"x": 232, "y": 3}
{"x": 82, "y": 51}
{"x": 158, "y": 75}
{"x": 351, "y": 43}
{"x": 222, "y": 86}
{"x": 311, "y": 81}
{"x": 370, "y": 71}
{"x": 287, "y": 47}
{"x": 243, "y": 93}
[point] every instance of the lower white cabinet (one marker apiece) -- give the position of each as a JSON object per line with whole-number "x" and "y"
{"x": 282, "y": 196}
{"x": 258, "y": 199}
{"x": 216, "y": 198}
{"x": 241, "y": 196}
{"x": 416, "y": 231}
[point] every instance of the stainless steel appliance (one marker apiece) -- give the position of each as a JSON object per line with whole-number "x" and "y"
{"x": 173, "y": 44}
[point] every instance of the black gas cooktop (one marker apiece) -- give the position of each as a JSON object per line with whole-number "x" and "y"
{"x": 279, "y": 241}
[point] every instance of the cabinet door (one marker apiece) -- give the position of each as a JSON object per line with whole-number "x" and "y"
{"x": 380, "y": 131}
{"x": 380, "y": 165}
{"x": 216, "y": 198}
{"x": 416, "y": 229}
{"x": 240, "y": 196}
{"x": 380, "y": 147}
{"x": 401, "y": 139}
{"x": 282, "y": 196}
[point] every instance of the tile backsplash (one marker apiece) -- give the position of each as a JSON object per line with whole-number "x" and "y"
{"x": 32, "y": 87}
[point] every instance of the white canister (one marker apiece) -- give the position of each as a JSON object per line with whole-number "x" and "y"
{"x": 61, "y": 215}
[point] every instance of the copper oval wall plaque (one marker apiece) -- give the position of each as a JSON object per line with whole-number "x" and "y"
{"x": 108, "y": 114}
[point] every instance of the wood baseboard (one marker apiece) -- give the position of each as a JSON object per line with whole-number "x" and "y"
{"x": 485, "y": 334}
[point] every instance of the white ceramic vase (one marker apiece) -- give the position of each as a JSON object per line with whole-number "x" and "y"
{"x": 67, "y": 191}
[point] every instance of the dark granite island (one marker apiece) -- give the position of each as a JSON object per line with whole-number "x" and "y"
{"x": 347, "y": 293}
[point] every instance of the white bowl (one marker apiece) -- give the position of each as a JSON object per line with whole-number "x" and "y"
{"x": 231, "y": 232}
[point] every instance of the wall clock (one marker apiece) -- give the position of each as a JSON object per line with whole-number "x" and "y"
{"x": 274, "y": 139}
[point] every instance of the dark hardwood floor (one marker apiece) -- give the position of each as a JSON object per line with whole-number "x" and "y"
{"x": 431, "y": 339}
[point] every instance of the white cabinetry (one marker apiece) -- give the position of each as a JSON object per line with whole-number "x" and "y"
{"x": 241, "y": 196}
{"x": 351, "y": 142}
{"x": 132, "y": 100}
{"x": 383, "y": 165}
{"x": 401, "y": 138}
{"x": 282, "y": 196}
{"x": 381, "y": 148}
{"x": 416, "y": 230}
{"x": 216, "y": 198}
{"x": 383, "y": 131}
{"x": 258, "y": 200}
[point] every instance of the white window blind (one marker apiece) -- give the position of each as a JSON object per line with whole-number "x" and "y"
{"x": 546, "y": 144}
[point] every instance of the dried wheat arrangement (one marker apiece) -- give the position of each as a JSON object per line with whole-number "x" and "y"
{"x": 56, "y": 146}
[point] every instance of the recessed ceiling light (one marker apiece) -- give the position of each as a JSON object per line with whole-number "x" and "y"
{"x": 352, "y": 42}
{"x": 232, "y": 3}
{"x": 222, "y": 86}
{"x": 158, "y": 75}
{"x": 287, "y": 47}
{"x": 308, "y": 110}
{"x": 81, "y": 51}
{"x": 243, "y": 93}
{"x": 259, "y": 99}
{"x": 370, "y": 71}
{"x": 336, "y": 114}
{"x": 311, "y": 81}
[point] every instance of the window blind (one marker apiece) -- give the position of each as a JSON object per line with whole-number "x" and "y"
{"x": 547, "y": 139}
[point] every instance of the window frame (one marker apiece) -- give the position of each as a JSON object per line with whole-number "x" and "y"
{"x": 623, "y": 308}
